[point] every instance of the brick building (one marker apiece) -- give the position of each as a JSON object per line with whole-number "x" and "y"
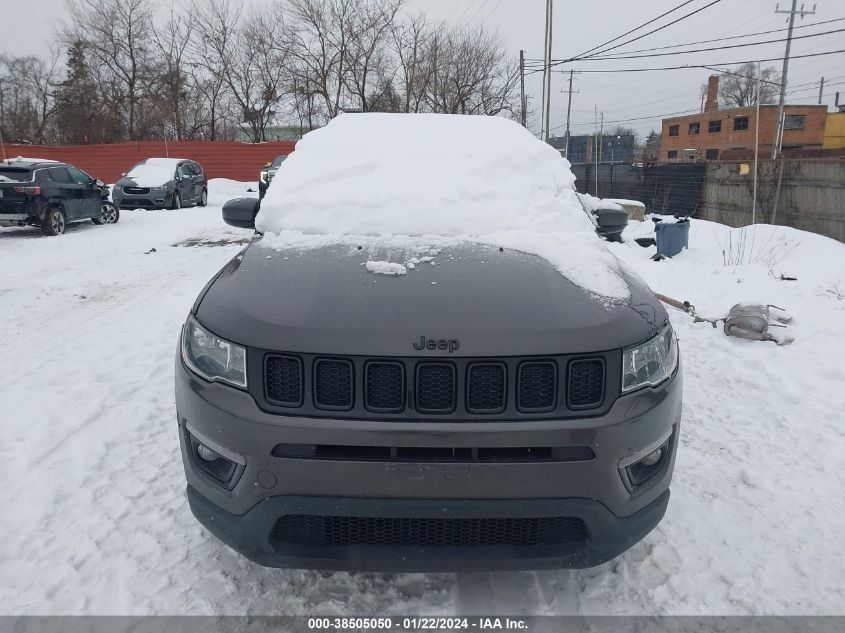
{"x": 709, "y": 134}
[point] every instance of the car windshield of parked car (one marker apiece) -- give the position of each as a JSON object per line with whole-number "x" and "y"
{"x": 154, "y": 172}
{"x": 437, "y": 178}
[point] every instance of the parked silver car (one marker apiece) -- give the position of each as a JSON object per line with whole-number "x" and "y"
{"x": 158, "y": 183}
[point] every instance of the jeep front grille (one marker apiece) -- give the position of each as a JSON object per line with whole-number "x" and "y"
{"x": 283, "y": 377}
{"x": 332, "y": 384}
{"x": 319, "y": 530}
{"x": 409, "y": 388}
{"x": 585, "y": 384}
{"x": 486, "y": 388}
{"x": 384, "y": 386}
{"x": 537, "y": 386}
{"x": 435, "y": 387}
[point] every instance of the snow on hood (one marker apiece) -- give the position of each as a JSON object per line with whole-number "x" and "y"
{"x": 154, "y": 172}
{"x": 424, "y": 181}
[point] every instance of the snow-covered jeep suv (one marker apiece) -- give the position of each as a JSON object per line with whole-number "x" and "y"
{"x": 368, "y": 386}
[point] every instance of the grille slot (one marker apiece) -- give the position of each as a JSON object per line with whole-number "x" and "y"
{"x": 333, "y": 384}
{"x": 434, "y": 453}
{"x": 307, "y": 529}
{"x": 585, "y": 384}
{"x": 384, "y": 387}
{"x": 435, "y": 391}
{"x": 536, "y": 391}
{"x": 283, "y": 380}
{"x": 137, "y": 191}
{"x": 486, "y": 388}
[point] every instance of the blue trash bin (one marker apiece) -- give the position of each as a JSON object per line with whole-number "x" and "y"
{"x": 671, "y": 238}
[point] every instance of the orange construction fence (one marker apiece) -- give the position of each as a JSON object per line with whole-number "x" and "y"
{"x": 220, "y": 159}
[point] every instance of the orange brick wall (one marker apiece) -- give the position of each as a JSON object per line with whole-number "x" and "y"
{"x": 220, "y": 159}
{"x": 811, "y": 136}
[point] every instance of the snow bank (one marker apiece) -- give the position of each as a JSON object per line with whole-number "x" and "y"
{"x": 154, "y": 172}
{"x": 430, "y": 180}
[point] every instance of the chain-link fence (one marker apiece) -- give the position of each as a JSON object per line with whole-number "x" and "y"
{"x": 811, "y": 198}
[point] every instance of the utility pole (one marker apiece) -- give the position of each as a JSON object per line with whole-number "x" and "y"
{"x": 568, "y": 112}
{"x": 601, "y": 137}
{"x": 821, "y": 91}
{"x": 792, "y": 13}
{"x": 756, "y": 148}
{"x": 522, "y": 86}
{"x": 595, "y": 142}
{"x": 548, "y": 65}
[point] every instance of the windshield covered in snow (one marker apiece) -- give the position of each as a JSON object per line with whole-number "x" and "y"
{"x": 426, "y": 179}
{"x": 154, "y": 172}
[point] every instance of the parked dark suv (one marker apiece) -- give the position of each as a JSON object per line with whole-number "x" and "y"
{"x": 50, "y": 194}
{"x": 482, "y": 411}
{"x": 268, "y": 172}
{"x": 158, "y": 183}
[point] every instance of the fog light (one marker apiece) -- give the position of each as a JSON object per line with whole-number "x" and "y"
{"x": 649, "y": 467}
{"x": 206, "y": 453}
{"x": 652, "y": 458}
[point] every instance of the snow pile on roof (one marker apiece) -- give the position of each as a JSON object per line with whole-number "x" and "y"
{"x": 154, "y": 172}
{"x": 428, "y": 180}
{"x": 23, "y": 159}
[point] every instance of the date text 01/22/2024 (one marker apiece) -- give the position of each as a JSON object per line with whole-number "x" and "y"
{"x": 418, "y": 624}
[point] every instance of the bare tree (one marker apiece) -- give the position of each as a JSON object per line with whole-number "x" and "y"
{"x": 28, "y": 95}
{"x": 367, "y": 55}
{"x": 470, "y": 74}
{"x": 738, "y": 88}
{"x": 117, "y": 33}
{"x": 174, "y": 39}
{"x": 410, "y": 44}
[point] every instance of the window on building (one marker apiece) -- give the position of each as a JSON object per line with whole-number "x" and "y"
{"x": 712, "y": 154}
{"x": 674, "y": 130}
{"x": 694, "y": 128}
{"x": 793, "y": 122}
{"x": 714, "y": 127}
{"x": 672, "y": 154}
{"x": 741, "y": 123}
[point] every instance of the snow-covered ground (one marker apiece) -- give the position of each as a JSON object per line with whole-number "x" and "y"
{"x": 94, "y": 513}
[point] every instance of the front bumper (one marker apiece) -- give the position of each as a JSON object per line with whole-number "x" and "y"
{"x": 153, "y": 200}
{"x": 266, "y": 488}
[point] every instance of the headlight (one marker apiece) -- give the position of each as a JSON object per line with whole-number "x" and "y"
{"x": 118, "y": 188}
{"x": 212, "y": 357}
{"x": 651, "y": 362}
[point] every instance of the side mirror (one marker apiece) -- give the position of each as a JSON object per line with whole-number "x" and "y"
{"x": 241, "y": 212}
{"x": 100, "y": 183}
{"x": 123, "y": 174}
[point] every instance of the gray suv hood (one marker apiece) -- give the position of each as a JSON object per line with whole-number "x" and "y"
{"x": 494, "y": 303}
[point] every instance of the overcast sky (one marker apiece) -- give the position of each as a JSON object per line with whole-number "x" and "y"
{"x": 27, "y": 28}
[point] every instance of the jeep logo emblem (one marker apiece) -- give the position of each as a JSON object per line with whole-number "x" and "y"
{"x": 451, "y": 344}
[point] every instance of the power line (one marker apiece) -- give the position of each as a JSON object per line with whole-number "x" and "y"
{"x": 723, "y": 39}
{"x": 639, "y": 37}
{"x": 489, "y": 15}
{"x": 713, "y": 48}
{"x": 662, "y": 15}
{"x": 688, "y": 66}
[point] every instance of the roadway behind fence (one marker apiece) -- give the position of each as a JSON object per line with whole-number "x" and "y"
{"x": 220, "y": 159}
{"x": 812, "y": 193}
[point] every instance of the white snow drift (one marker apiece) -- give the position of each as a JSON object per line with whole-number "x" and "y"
{"x": 425, "y": 180}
